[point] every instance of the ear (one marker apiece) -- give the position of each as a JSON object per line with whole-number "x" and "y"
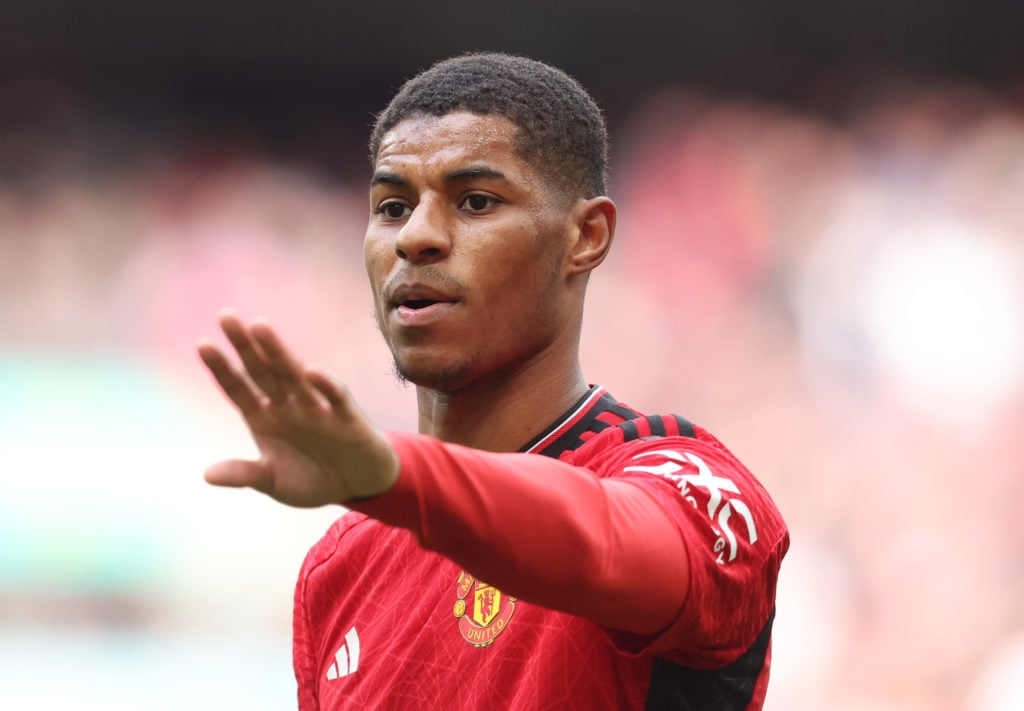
{"x": 592, "y": 238}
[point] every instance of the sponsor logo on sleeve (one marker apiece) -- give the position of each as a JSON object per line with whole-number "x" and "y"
{"x": 721, "y": 493}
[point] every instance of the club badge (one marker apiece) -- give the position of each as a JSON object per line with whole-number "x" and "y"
{"x": 483, "y": 611}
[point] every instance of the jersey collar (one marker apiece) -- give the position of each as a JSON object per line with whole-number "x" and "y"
{"x": 596, "y": 411}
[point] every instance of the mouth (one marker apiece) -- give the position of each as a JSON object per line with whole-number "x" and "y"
{"x": 417, "y": 304}
{"x": 416, "y": 296}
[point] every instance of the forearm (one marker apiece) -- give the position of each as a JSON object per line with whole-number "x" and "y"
{"x": 542, "y": 530}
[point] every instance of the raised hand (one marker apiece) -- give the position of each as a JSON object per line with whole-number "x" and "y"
{"x": 316, "y": 446}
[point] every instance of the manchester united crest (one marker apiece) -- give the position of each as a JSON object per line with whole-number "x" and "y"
{"x": 483, "y": 611}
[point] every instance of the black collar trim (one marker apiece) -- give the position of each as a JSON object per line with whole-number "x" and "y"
{"x": 567, "y": 432}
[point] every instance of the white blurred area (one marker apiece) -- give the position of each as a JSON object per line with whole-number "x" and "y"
{"x": 841, "y": 302}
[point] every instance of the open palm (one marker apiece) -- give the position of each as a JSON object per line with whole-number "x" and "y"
{"x": 316, "y": 446}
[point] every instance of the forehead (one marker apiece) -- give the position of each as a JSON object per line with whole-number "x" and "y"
{"x": 454, "y": 138}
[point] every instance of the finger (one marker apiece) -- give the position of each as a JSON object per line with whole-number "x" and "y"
{"x": 231, "y": 381}
{"x": 336, "y": 394}
{"x": 288, "y": 370}
{"x": 252, "y": 358}
{"x": 239, "y": 473}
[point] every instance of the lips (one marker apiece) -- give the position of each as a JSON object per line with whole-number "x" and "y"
{"x": 418, "y": 296}
{"x": 419, "y": 304}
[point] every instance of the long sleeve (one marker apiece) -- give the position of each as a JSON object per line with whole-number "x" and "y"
{"x": 541, "y": 529}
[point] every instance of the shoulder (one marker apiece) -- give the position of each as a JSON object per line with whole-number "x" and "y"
{"x": 665, "y": 446}
{"x": 341, "y": 533}
{"x": 734, "y": 535}
{"x": 695, "y": 477}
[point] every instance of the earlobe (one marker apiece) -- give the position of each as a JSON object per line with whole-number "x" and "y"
{"x": 592, "y": 238}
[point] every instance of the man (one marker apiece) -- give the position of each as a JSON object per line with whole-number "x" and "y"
{"x": 538, "y": 545}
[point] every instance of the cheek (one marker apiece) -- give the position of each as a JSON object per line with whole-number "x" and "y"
{"x": 375, "y": 262}
{"x": 531, "y": 282}
{"x": 369, "y": 249}
{"x": 375, "y": 254}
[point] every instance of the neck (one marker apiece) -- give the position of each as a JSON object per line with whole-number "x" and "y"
{"x": 501, "y": 413}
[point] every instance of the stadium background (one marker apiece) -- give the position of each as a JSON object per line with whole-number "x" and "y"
{"x": 819, "y": 259}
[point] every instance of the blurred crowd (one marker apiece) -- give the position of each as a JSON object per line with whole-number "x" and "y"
{"x": 840, "y": 299}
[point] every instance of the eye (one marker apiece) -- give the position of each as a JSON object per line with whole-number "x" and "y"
{"x": 393, "y": 210}
{"x": 478, "y": 202}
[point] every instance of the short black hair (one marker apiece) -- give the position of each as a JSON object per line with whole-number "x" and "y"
{"x": 560, "y": 127}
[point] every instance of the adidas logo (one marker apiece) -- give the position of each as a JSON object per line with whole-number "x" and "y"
{"x": 346, "y": 659}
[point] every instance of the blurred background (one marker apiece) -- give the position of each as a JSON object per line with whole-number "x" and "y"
{"x": 820, "y": 259}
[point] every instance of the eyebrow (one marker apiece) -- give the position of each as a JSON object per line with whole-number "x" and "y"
{"x": 385, "y": 178}
{"x": 474, "y": 172}
{"x": 471, "y": 173}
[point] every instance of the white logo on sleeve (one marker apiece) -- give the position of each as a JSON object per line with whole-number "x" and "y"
{"x": 346, "y": 659}
{"x": 717, "y": 511}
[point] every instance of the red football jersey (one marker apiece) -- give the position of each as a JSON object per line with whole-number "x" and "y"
{"x": 505, "y": 581}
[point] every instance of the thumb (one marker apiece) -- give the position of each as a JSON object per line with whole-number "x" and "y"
{"x": 238, "y": 473}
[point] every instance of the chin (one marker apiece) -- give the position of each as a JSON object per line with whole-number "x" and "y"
{"x": 446, "y": 378}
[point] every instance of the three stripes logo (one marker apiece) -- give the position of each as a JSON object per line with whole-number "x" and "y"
{"x": 346, "y": 659}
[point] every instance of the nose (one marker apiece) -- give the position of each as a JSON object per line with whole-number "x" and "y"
{"x": 424, "y": 237}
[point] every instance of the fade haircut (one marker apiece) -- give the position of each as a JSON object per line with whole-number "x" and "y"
{"x": 560, "y": 127}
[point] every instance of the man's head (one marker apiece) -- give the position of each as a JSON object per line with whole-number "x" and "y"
{"x": 560, "y": 128}
{"x": 485, "y": 221}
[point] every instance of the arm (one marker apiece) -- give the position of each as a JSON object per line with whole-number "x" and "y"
{"x": 670, "y": 539}
{"x": 545, "y": 530}
{"x": 541, "y": 529}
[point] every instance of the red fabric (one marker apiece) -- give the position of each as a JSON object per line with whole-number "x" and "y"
{"x": 618, "y": 536}
{"x": 541, "y": 529}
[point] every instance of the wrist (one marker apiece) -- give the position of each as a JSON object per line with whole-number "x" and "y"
{"x": 381, "y": 474}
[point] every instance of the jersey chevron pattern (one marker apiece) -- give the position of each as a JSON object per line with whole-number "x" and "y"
{"x": 433, "y": 635}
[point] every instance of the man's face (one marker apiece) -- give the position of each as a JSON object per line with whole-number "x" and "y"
{"x": 464, "y": 250}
